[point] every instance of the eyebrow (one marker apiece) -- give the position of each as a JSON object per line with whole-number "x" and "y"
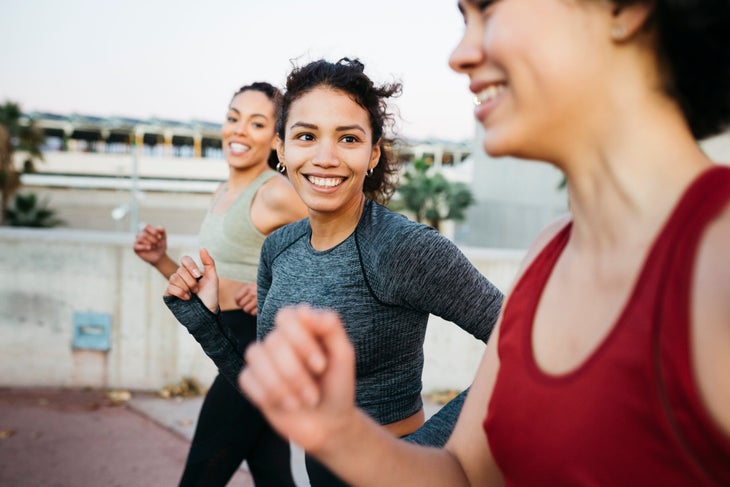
{"x": 341, "y": 128}
{"x": 460, "y": 4}
{"x": 231, "y": 109}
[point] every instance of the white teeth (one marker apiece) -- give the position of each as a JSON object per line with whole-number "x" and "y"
{"x": 325, "y": 182}
{"x": 236, "y": 147}
{"x": 489, "y": 93}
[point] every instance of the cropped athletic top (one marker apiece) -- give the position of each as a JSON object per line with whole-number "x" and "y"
{"x": 230, "y": 237}
{"x": 383, "y": 280}
{"x": 631, "y": 413}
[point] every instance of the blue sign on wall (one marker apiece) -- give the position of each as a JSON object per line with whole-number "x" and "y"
{"x": 92, "y": 331}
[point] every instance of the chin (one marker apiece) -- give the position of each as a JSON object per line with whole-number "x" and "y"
{"x": 496, "y": 149}
{"x": 241, "y": 165}
{"x": 503, "y": 143}
{"x": 322, "y": 206}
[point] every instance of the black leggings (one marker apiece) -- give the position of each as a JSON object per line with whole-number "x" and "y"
{"x": 321, "y": 476}
{"x": 230, "y": 429}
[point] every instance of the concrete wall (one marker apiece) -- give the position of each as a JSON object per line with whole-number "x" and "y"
{"x": 515, "y": 199}
{"x": 50, "y": 275}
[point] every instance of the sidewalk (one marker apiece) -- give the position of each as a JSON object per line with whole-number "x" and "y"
{"x": 179, "y": 416}
{"x": 80, "y": 438}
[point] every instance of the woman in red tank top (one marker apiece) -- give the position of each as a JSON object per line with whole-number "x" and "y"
{"x": 610, "y": 364}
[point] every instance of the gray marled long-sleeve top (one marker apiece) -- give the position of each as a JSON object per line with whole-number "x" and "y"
{"x": 384, "y": 281}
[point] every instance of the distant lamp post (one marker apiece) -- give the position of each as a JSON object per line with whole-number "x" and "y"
{"x": 134, "y": 188}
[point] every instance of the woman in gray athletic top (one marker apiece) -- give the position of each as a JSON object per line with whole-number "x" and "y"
{"x": 383, "y": 273}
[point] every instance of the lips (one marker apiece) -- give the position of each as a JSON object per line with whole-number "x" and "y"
{"x": 325, "y": 182}
{"x": 237, "y": 148}
{"x": 489, "y": 93}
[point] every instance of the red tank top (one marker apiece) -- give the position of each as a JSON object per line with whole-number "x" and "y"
{"x": 631, "y": 413}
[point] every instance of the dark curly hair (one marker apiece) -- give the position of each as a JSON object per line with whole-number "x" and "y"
{"x": 272, "y": 93}
{"x": 348, "y": 76}
{"x": 693, "y": 41}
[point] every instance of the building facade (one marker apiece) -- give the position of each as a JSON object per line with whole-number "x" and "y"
{"x": 516, "y": 199}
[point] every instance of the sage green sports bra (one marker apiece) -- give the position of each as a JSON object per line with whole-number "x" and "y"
{"x": 230, "y": 237}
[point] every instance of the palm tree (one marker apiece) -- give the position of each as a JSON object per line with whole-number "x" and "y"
{"x": 431, "y": 197}
{"x": 16, "y": 133}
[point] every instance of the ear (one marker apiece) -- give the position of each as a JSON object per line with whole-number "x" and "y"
{"x": 374, "y": 155}
{"x": 275, "y": 143}
{"x": 279, "y": 146}
{"x": 629, "y": 19}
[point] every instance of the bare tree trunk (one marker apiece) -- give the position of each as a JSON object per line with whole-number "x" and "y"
{"x": 436, "y": 224}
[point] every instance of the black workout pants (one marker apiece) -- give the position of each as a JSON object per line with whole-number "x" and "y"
{"x": 230, "y": 429}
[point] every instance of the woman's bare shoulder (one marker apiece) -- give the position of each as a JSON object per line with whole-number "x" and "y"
{"x": 711, "y": 318}
{"x": 281, "y": 203}
{"x": 545, "y": 236}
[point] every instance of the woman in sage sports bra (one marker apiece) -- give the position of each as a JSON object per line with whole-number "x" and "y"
{"x": 253, "y": 202}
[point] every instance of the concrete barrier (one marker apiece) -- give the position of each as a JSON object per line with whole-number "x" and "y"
{"x": 60, "y": 288}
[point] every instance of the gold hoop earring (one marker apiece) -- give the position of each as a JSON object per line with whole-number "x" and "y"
{"x": 280, "y": 167}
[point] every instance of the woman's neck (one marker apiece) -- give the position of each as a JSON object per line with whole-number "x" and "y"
{"x": 625, "y": 190}
{"x": 329, "y": 229}
{"x": 629, "y": 157}
{"x": 240, "y": 179}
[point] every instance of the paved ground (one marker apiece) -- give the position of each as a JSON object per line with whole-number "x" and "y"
{"x": 73, "y": 438}
{"x": 179, "y": 415}
{"x": 80, "y": 438}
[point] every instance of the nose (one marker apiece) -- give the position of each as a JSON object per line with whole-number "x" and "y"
{"x": 239, "y": 128}
{"x": 326, "y": 154}
{"x": 469, "y": 52}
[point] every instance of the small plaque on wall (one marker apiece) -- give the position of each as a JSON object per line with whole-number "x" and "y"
{"x": 92, "y": 331}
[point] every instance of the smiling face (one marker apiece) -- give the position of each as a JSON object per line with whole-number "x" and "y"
{"x": 248, "y": 132}
{"x": 327, "y": 149}
{"x": 536, "y": 68}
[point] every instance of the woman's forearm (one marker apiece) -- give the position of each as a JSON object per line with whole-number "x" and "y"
{"x": 365, "y": 454}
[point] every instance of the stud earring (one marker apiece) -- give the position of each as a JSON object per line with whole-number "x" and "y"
{"x": 618, "y": 32}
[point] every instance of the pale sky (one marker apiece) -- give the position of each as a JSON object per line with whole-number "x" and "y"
{"x": 183, "y": 60}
